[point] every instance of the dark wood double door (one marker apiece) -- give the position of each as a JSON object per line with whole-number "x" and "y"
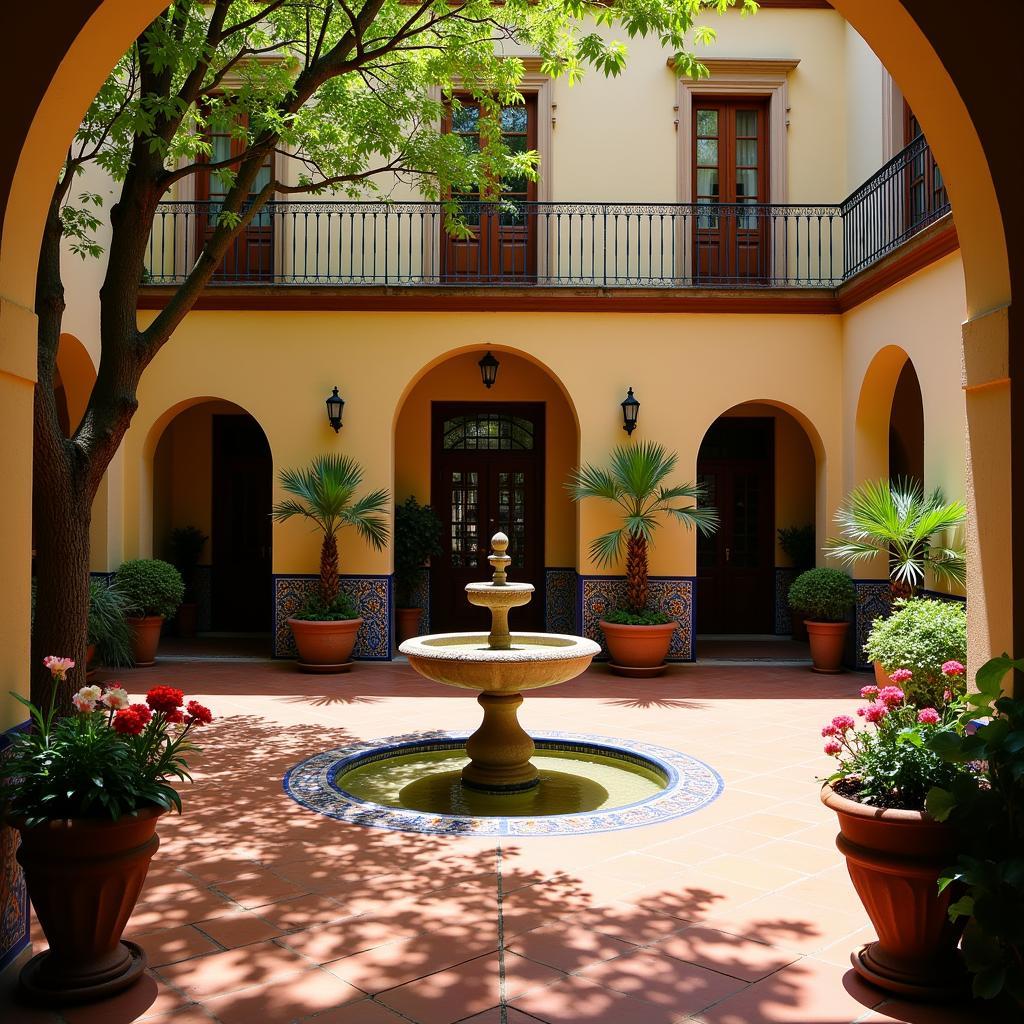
{"x": 487, "y": 474}
{"x": 736, "y": 565}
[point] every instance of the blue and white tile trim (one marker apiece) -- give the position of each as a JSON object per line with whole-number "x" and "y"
{"x": 372, "y": 595}
{"x": 674, "y": 595}
{"x": 690, "y": 785}
{"x": 873, "y": 599}
{"x": 560, "y": 600}
{"x": 14, "y": 909}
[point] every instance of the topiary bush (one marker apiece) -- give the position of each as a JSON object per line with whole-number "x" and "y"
{"x": 149, "y": 586}
{"x": 822, "y": 595}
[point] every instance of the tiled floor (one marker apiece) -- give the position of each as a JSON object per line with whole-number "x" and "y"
{"x": 259, "y": 911}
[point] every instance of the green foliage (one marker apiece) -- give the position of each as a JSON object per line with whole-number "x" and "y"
{"x": 797, "y": 543}
{"x": 621, "y": 617}
{"x": 417, "y": 538}
{"x": 315, "y": 609}
{"x": 186, "y": 546}
{"x": 149, "y": 586}
{"x": 897, "y": 519}
{"x": 108, "y": 629}
{"x": 920, "y": 635}
{"x": 988, "y": 810}
{"x": 822, "y": 595}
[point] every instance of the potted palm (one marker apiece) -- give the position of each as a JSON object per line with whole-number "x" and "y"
{"x": 152, "y": 590}
{"x": 797, "y": 543}
{"x": 824, "y": 597}
{"x": 186, "y": 548}
{"x": 638, "y": 636}
{"x": 417, "y": 538}
{"x": 324, "y": 494}
{"x": 85, "y": 792}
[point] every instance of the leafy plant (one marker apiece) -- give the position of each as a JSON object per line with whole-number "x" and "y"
{"x": 417, "y": 538}
{"x": 108, "y": 628}
{"x": 324, "y": 495}
{"x": 987, "y": 808}
{"x": 314, "y": 609}
{"x": 186, "y": 548}
{"x": 921, "y": 635}
{"x": 822, "y": 595}
{"x": 897, "y": 519}
{"x": 797, "y": 543}
{"x": 149, "y": 586}
{"x": 635, "y": 482}
{"x": 621, "y": 617}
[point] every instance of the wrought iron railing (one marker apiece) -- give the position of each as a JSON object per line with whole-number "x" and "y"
{"x": 571, "y": 245}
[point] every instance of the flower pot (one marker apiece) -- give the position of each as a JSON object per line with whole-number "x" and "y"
{"x": 90, "y": 657}
{"x": 895, "y": 858}
{"x": 408, "y": 624}
{"x": 84, "y": 877}
{"x": 828, "y": 643}
{"x": 325, "y": 646}
{"x": 187, "y": 619}
{"x": 146, "y": 639}
{"x": 638, "y": 651}
{"x": 881, "y": 675}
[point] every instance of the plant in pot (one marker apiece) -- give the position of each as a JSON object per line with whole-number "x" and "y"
{"x": 921, "y": 634}
{"x": 638, "y": 636}
{"x": 186, "y": 548}
{"x": 824, "y": 597}
{"x": 324, "y": 494}
{"x": 797, "y": 543}
{"x": 85, "y": 792}
{"x": 109, "y": 638}
{"x": 152, "y": 590}
{"x": 417, "y": 538}
{"x": 895, "y": 849}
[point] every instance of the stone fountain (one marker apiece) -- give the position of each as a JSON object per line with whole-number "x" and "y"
{"x": 500, "y": 665}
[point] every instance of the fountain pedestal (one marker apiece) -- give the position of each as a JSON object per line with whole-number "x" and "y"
{"x": 500, "y": 749}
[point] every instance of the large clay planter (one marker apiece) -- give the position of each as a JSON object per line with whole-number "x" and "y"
{"x": 84, "y": 877}
{"x": 187, "y": 619}
{"x": 895, "y": 859}
{"x": 638, "y": 651}
{"x": 828, "y": 643}
{"x": 881, "y": 675}
{"x": 146, "y": 639}
{"x": 325, "y": 647}
{"x": 408, "y": 623}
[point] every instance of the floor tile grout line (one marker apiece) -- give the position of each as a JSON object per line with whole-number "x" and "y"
{"x": 502, "y": 990}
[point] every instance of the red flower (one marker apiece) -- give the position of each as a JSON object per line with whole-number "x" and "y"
{"x": 129, "y": 722}
{"x": 175, "y": 717}
{"x": 164, "y": 698}
{"x": 198, "y": 715}
{"x": 142, "y": 711}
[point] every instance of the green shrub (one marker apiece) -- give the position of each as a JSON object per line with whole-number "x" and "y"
{"x": 797, "y": 543}
{"x": 822, "y": 595}
{"x": 920, "y": 635}
{"x": 108, "y": 629}
{"x": 417, "y": 538}
{"x": 149, "y": 586}
{"x": 314, "y": 609}
{"x": 621, "y": 617}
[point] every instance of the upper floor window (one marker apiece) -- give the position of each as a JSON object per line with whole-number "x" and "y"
{"x": 926, "y": 191}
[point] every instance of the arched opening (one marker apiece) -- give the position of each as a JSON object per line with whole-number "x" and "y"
{"x": 759, "y": 466}
{"x": 488, "y": 460}
{"x": 213, "y": 472}
{"x": 906, "y": 428}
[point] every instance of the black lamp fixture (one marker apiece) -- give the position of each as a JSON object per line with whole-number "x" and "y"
{"x": 630, "y": 411}
{"x": 335, "y": 406}
{"x": 488, "y": 370}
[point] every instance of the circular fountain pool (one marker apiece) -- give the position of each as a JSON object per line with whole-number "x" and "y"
{"x": 587, "y": 784}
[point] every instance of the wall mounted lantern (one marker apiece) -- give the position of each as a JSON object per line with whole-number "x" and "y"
{"x": 630, "y": 411}
{"x": 488, "y": 370}
{"x": 335, "y": 406}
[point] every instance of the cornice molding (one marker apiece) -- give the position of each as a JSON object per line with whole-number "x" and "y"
{"x": 743, "y": 65}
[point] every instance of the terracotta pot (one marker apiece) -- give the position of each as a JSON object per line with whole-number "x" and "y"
{"x": 881, "y": 675}
{"x": 638, "y": 651}
{"x": 408, "y": 624}
{"x": 84, "y": 877}
{"x": 187, "y": 619}
{"x": 799, "y": 631}
{"x": 895, "y": 859}
{"x": 828, "y": 643}
{"x": 90, "y": 657}
{"x": 325, "y": 646}
{"x": 146, "y": 639}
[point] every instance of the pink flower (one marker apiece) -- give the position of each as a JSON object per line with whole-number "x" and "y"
{"x": 891, "y": 695}
{"x": 843, "y": 723}
{"x": 82, "y": 704}
{"x": 867, "y": 692}
{"x": 833, "y": 747}
{"x": 116, "y": 698}
{"x": 928, "y": 716}
{"x": 828, "y": 730}
{"x": 901, "y": 675}
{"x": 947, "y": 695}
{"x": 875, "y": 712}
{"x": 59, "y": 667}
{"x": 952, "y": 668}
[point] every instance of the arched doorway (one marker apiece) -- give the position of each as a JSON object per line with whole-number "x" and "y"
{"x": 213, "y": 471}
{"x": 906, "y": 428}
{"x": 488, "y": 460}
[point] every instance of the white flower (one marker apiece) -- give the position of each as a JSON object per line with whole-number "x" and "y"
{"x": 115, "y": 698}
{"x": 82, "y": 703}
{"x": 90, "y": 693}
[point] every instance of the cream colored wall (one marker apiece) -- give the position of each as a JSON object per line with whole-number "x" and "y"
{"x": 863, "y": 110}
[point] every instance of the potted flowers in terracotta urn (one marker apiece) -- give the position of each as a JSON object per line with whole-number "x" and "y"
{"x": 325, "y": 626}
{"x": 637, "y": 635}
{"x": 85, "y": 793}
{"x": 825, "y": 598}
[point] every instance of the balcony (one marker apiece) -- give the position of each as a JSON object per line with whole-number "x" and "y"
{"x": 739, "y": 246}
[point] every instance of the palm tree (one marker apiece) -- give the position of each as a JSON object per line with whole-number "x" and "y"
{"x": 897, "y": 519}
{"x": 324, "y": 493}
{"x": 635, "y": 482}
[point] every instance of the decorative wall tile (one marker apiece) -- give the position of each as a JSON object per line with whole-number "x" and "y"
{"x": 419, "y": 596}
{"x": 372, "y": 595}
{"x": 674, "y": 595}
{"x": 873, "y": 599}
{"x": 784, "y": 576}
{"x": 14, "y": 911}
{"x": 560, "y": 600}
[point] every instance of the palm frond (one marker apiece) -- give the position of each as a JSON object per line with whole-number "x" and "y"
{"x": 607, "y": 549}
{"x": 289, "y": 508}
{"x": 640, "y": 468}
{"x": 704, "y": 519}
{"x": 591, "y": 482}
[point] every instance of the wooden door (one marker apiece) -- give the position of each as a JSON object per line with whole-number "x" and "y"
{"x": 241, "y": 534}
{"x": 250, "y": 256}
{"x": 730, "y": 172}
{"x": 502, "y": 245}
{"x": 487, "y": 475}
{"x": 736, "y": 565}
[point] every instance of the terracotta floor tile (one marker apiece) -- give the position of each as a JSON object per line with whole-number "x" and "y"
{"x": 579, "y": 1001}
{"x": 685, "y": 850}
{"x": 234, "y": 969}
{"x": 257, "y": 888}
{"x": 494, "y": 1016}
{"x": 307, "y": 911}
{"x": 900, "y": 1011}
{"x": 799, "y": 856}
{"x": 173, "y": 944}
{"x": 367, "y": 1011}
{"x": 774, "y": 825}
{"x": 194, "y": 1014}
{"x": 148, "y": 997}
{"x": 750, "y": 870}
{"x": 332, "y": 942}
{"x": 567, "y": 946}
{"x": 733, "y": 955}
{"x": 238, "y": 929}
{"x": 628, "y": 923}
{"x": 292, "y": 998}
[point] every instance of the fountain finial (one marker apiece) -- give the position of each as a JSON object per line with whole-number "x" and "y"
{"x": 499, "y": 560}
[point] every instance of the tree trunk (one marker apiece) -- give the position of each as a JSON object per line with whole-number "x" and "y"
{"x": 636, "y": 573}
{"x": 329, "y": 569}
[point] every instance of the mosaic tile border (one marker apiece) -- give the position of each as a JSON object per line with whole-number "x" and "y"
{"x": 14, "y": 912}
{"x": 784, "y": 576}
{"x": 692, "y": 785}
{"x": 372, "y": 595}
{"x": 560, "y": 600}
{"x": 675, "y": 595}
{"x": 873, "y": 599}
